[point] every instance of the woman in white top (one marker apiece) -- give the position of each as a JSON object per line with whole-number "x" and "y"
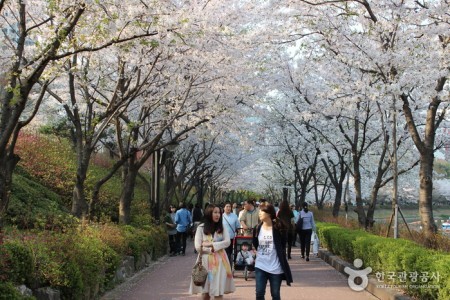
{"x": 212, "y": 240}
{"x": 271, "y": 263}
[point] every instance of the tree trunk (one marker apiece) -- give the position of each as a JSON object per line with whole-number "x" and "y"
{"x": 373, "y": 204}
{"x": 303, "y": 191}
{"x": 7, "y": 165}
{"x": 96, "y": 190}
{"x": 127, "y": 195}
{"x": 426, "y": 149}
{"x": 358, "y": 195}
{"x": 316, "y": 192}
{"x": 79, "y": 203}
{"x": 337, "y": 200}
{"x": 426, "y": 193}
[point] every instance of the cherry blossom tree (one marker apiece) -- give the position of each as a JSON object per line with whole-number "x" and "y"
{"x": 39, "y": 39}
{"x": 402, "y": 50}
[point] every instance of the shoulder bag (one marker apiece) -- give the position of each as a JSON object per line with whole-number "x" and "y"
{"x": 199, "y": 272}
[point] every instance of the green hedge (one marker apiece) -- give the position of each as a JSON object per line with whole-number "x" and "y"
{"x": 77, "y": 262}
{"x": 386, "y": 256}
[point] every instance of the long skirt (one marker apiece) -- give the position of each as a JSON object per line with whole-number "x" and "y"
{"x": 216, "y": 284}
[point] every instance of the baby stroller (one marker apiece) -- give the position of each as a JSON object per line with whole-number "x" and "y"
{"x": 243, "y": 253}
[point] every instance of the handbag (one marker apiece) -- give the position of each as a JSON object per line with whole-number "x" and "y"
{"x": 199, "y": 272}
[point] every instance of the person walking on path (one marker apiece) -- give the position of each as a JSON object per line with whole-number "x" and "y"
{"x": 231, "y": 223}
{"x": 169, "y": 221}
{"x": 296, "y": 216}
{"x": 308, "y": 226}
{"x": 197, "y": 216}
{"x": 211, "y": 240}
{"x": 271, "y": 263}
{"x": 183, "y": 220}
{"x": 286, "y": 216}
{"x": 249, "y": 217}
{"x": 235, "y": 209}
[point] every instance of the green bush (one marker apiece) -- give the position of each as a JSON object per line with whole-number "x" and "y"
{"x": 20, "y": 262}
{"x": 34, "y": 206}
{"x": 77, "y": 261}
{"x": 72, "y": 287}
{"x": 5, "y": 264}
{"x": 9, "y": 292}
{"x": 151, "y": 239}
{"x": 392, "y": 256}
{"x": 62, "y": 253}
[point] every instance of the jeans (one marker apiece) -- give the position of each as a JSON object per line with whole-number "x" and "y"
{"x": 172, "y": 243}
{"x": 181, "y": 238}
{"x": 261, "y": 278}
{"x": 288, "y": 243}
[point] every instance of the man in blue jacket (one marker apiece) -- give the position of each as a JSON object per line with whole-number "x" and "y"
{"x": 183, "y": 219}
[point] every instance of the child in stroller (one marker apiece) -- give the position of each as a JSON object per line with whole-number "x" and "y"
{"x": 245, "y": 256}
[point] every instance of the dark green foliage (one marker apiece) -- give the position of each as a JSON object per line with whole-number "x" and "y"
{"x": 73, "y": 287}
{"x": 9, "y": 292}
{"x": 45, "y": 246}
{"x": 386, "y": 255}
{"x": 20, "y": 262}
{"x": 61, "y": 128}
{"x": 35, "y": 206}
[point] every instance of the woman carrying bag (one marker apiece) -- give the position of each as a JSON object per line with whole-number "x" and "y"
{"x": 211, "y": 240}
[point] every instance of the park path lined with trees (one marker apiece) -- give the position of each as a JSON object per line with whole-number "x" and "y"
{"x": 169, "y": 279}
{"x": 307, "y": 108}
{"x": 336, "y": 103}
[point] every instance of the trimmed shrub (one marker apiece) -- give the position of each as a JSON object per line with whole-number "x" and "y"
{"x": 424, "y": 273}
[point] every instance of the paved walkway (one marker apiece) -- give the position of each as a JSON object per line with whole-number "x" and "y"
{"x": 168, "y": 279}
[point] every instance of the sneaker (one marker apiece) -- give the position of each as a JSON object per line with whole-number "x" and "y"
{"x": 307, "y": 258}
{"x": 303, "y": 256}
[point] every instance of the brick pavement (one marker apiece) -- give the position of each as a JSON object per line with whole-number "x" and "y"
{"x": 168, "y": 279}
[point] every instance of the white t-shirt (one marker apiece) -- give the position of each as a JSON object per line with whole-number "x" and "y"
{"x": 266, "y": 257}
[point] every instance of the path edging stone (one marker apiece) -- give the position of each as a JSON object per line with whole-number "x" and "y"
{"x": 381, "y": 293}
